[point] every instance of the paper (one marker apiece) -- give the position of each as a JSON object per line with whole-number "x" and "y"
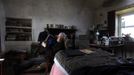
{"x": 43, "y": 44}
{"x": 2, "y": 59}
{"x": 87, "y": 51}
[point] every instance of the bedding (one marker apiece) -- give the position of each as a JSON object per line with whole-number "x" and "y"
{"x": 70, "y": 60}
{"x": 106, "y": 70}
{"x": 89, "y": 62}
{"x": 57, "y": 69}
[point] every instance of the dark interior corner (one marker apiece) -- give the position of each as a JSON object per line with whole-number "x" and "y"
{"x": 66, "y": 37}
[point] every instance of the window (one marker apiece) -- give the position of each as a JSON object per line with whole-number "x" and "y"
{"x": 125, "y": 22}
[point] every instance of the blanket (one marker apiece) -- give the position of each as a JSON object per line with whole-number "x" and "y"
{"x": 71, "y": 60}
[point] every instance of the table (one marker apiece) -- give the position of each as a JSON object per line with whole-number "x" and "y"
{"x": 111, "y": 49}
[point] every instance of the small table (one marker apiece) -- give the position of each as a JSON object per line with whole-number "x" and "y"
{"x": 111, "y": 48}
{"x": 1, "y": 65}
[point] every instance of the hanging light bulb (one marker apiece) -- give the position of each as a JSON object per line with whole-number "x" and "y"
{"x": 97, "y": 33}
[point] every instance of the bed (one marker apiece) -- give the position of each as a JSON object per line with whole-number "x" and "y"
{"x": 87, "y": 62}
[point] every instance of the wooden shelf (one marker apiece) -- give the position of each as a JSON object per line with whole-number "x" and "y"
{"x": 69, "y": 32}
{"x": 56, "y": 31}
{"x": 18, "y": 29}
{"x": 18, "y": 32}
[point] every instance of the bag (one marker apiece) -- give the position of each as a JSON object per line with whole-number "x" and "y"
{"x": 44, "y": 44}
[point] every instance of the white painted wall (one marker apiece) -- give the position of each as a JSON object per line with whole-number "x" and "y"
{"x": 2, "y": 26}
{"x": 42, "y": 12}
{"x": 67, "y": 12}
{"x": 103, "y": 10}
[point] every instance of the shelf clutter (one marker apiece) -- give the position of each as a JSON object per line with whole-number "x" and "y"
{"x": 18, "y": 29}
{"x": 70, "y": 31}
{"x": 60, "y": 26}
{"x": 55, "y": 29}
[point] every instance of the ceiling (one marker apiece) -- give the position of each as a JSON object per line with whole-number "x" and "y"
{"x": 95, "y": 3}
{"x": 102, "y": 3}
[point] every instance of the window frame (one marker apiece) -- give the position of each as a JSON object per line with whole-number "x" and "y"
{"x": 118, "y": 20}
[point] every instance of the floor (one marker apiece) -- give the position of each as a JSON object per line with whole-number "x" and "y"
{"x": 32, "y": 71}
{"x": 33, "y": 74}
{"x": 11, "y": 64}
{"x": 8, "y": 70}
{"x": 28, "y": 73}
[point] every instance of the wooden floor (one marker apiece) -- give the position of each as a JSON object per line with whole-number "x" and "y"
{"x": 34, "y": 73}
{"x": 9, "y": 71}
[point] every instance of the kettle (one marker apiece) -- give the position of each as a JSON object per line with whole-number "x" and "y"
{"x": 105, "y": 40}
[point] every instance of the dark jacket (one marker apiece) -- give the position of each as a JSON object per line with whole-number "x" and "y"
{"x": 42, "y": 36}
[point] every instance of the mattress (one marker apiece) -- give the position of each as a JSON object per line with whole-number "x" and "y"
{"x": 77, "y": 59}
{"x": 61, "y": 69}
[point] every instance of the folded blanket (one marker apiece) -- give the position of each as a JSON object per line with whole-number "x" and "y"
{"x": 71, "y": 60}
{"x": 105, "y": 70}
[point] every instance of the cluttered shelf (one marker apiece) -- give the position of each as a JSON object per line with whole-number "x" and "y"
{"x": 56, "y": 31}
{"x": 18, "y": 29}
{"x": 70, "y": 31}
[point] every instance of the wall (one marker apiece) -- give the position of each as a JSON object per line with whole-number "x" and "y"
{"x": 101, "y": 16}
{"x": 2, "y": 27}
{"x": 101, "y": 13}
{"x": 42, "y": 12}
{"x": 67, "y": 12}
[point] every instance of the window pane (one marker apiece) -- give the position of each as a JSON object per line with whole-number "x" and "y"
{"x": 129, "y": 30}
{"x": 127, "y": 20}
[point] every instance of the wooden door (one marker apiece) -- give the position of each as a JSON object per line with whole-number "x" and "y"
{"x": 111, "y": 22}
